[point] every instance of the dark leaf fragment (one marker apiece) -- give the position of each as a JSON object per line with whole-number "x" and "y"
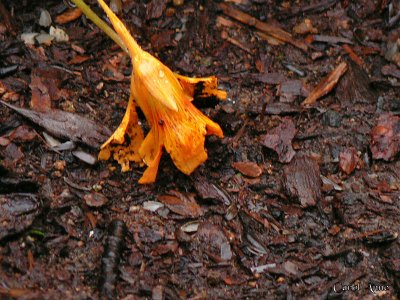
{"x": 208, "y": 190}
{"x": 213, "y": 242}
{"x": 280, "y": 139}
{"x": 181, "y": 204}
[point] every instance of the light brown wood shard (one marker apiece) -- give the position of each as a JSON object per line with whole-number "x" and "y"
{"x": 273, "y": 31}
{"x": 326, "y": 84}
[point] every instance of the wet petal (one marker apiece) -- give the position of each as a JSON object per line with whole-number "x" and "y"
{"x": 201, "y": 87}
{"x": 125, "y": 142}
{"x": 151, "y": 151}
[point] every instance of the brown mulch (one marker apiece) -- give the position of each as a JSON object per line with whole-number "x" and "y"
{"x": 300, "y": 199}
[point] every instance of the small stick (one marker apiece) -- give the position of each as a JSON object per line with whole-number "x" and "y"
{"x": 326, "y": 84}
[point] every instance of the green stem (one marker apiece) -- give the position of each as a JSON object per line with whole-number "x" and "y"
{"x": 101, "y": 24}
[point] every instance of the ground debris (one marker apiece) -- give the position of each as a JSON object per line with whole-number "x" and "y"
{"x": 181, "y": 204}
{"x": 248, "y": 168}
{"x": 273, "y": 31}
{"x": 213, "y": 242}
{"x": 385, "y": 137}
{"x": 17, "y": 212}
{"x": 280, "y": 139}
{"x": 348, "y": 160}
{"x": 302, "y": 180}
{"x": 67, "y": 125}
{"x": 326, "y": 85}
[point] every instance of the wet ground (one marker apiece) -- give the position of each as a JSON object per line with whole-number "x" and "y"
{"x": 300, "y": 199}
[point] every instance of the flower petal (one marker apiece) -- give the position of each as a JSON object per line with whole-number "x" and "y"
{"x": 150, "y": 151}
{"x": 201, "y": 87}
{"x": 125, "y": 142}
{"x": 159, "y": 81}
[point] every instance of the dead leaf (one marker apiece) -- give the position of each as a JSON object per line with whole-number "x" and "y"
{"x": 95, "y": 199}
{"x": 280, "y": 139}
{"x": 67, "y": 125}
{"x": 45, "y": 87}
{"x": 182, "y": 204}
{"x": 248, "y": 168}
{"x": 326, "y": 85}
{"x": 385, "y": 137}
{"x": 348, "y": 160}
{"x": 208, "y": 190}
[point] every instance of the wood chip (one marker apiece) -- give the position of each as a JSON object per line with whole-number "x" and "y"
{"x": 69, "y": 16}
{"x": 248, "y": 168}
{"x": 271, "y": 30}
{"x": 302, "y": 180}
{"x": 326, "y": 84}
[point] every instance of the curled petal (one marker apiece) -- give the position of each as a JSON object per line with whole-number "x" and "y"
{"x": 201, "y": 87}
{"x": 125, "y": 142}
{"x": 150, "y": 151}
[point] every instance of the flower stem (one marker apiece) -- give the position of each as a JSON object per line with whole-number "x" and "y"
{"x": 101, "y": 24}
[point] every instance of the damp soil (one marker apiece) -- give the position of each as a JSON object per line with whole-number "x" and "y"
{"x": 300, "y": 199}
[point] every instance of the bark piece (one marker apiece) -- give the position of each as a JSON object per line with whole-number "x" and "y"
{"x": 280, "y": 139}
{"x": 273, "y": 31}
{"x": 213, "y": 242}
{"x": 17, "y": 212}
{"x": 182, "y": 204}
{"x": 348, "y": 160}
{"x": 302, "y": 180}
{"x": 385, "y": 137}
{"x": 248, "y": 168}
{"x": 326, "y": 85}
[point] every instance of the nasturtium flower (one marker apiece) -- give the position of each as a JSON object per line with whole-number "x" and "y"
{"x": 165, "y": 98}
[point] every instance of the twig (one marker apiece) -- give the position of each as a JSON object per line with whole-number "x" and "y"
{"x": 273, "y": 31}
{"x": 326, "y": 84}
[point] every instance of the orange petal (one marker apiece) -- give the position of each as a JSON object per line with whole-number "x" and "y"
{"x": 150, "y": 151}
{"x": 201, "y": 87}
{"x": 159, "y": 81}
{"x": 184, "y": 141}
{"x": 125, "y": 142}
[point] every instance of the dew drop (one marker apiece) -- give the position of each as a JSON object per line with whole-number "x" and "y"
{"x": 161, "y": 74}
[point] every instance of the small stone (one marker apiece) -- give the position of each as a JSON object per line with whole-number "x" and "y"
{"x": 45, "y": 18}
{"x": 59, "y": 34}
{"x": 44, "y": 39}
{"x": 332, "y": 118}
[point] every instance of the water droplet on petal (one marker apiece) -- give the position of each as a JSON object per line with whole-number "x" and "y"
{"x": 161, "y": 74}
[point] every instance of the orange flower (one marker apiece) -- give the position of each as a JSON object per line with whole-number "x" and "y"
{"x": 165, "y": 99}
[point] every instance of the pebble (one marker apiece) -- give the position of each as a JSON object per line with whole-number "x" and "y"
{"x": 45, "y": 18}
{"x": 332, "y": 118}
